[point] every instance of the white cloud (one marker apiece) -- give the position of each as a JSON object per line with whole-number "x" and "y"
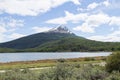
{"x": 93, "y": 21}
{"x": 2, "y": 29}
{"x": 75, "y": 18}
{"x": 16, "y": 35}
{"x": 95, "y": 6}
{"x": 89, "y": 21}
{"x": 30, "y": 7}
{"x": 40, "y": 29}
{"x": 96, "y": 20}
{"x": 60, "y": 20}
{"x": 106, "y": 3}
{"x": 92, "y": 6}
{"x": 84, "y": 28}
{"x": 115, "y": 4}
{"x": 9, "y": 24}
{"x": 2, "y": 37}
{"x": 115, "y": 21}
{"x": 113, "y": 37}
{"x": 77, "y": 2}
{"x": 112, "y": 29}
{"x": 105, "y": 38}
{"x": 16, "y": 23}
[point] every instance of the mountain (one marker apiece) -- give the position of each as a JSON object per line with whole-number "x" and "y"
{"x": 35, "y": 40}
{"x": 58, "y": 39}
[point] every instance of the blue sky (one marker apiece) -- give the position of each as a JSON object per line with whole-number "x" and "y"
{"x": 93, "y": 19}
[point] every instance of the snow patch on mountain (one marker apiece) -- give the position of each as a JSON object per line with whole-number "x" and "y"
{"x": 60, "y": 29}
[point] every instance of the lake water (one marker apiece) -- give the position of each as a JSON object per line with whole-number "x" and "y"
{"x": 11, "y": 57}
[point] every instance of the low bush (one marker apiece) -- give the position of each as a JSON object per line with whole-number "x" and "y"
{"x": 63, "y": 71}
{"x": 71, "y": 72}
{"x": 18, "y": 75}
{"x": 113, "y": 62}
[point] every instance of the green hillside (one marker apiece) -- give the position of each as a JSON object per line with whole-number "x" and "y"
{"x": 7, "y": 50}
{"x": 70, "y": 44}
{"x": 77, "y": 44}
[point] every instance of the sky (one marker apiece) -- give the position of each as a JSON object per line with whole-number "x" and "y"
{"x": 93, "y": 19}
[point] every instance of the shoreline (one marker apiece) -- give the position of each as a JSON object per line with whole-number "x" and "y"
{"x": 57, "y": 60}
{"x": 49, "y": 62}
{"x": 18, "y": 52}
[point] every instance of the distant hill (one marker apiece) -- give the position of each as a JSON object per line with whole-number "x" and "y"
{"x": 58, "y": 39}
{"x": 35, "y": 40}
{"x": 74, "y": 44}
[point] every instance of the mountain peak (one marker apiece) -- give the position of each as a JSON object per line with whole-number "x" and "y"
{"x": 60, "y": 29}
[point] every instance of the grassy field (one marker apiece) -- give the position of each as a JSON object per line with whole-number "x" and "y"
{"x": 48, "y": 63}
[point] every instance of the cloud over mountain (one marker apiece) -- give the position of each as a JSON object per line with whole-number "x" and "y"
{"x": 31, "y": 7}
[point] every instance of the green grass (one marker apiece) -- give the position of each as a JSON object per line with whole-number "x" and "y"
{"x": 36, "y": 65}
{"x": 22, "y": 65}
{"x": 48, "y": 63}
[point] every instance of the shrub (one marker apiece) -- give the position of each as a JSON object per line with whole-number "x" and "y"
{"x": 61, "y": 72}
{"x": 61, "y": 60}
{"x": 89, "y": 59}
{"x": 18, "y": 75}
{"x": 113, "y": 76}
{"x": 113, "y": 62}
{"x": 65, "y": 71}
{"x": 90, "y": 72}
